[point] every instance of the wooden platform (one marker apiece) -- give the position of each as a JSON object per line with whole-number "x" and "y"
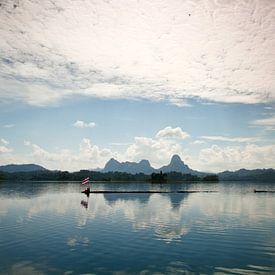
{"x": 264, "y": 191}
{"x": 148, "y": 192}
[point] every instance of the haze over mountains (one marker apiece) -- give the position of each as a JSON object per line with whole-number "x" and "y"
{"x": 13, "y": 168}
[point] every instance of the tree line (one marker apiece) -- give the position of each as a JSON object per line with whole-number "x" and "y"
{"x": 48, "y": 175}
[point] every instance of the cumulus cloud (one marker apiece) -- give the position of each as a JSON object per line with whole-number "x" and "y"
{"x": 169, "y": 132}
{"x": 88, "y": 156}
{"x": 82, "y": 124}
{"x": 214, "y": 158}
{"x": 4, "y": 146}
{"x": 251, "y": 156}
{"x": 230, "y": 139}
{"x": 223, "y": 51}
{"x": 4, "y": 149}
{"x": 159, "y": 149}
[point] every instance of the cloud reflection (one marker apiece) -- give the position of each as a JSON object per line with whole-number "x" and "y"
{"x": 74, "y": 241}
{"x": 170, "y": 216}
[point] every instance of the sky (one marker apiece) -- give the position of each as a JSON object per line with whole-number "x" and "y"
{"x": 84, "y": 81}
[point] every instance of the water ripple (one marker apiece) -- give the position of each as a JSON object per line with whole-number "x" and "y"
{"x": 167, "y": 234}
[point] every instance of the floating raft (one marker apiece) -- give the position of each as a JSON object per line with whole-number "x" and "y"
{"x": 148, "y": 192}
{"x": 264, "y": 191}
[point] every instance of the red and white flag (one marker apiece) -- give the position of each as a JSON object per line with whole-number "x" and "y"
{"x": 86, "y": 181}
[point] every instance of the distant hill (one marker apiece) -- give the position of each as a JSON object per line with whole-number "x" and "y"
{"x": 144, "y": 166}
{"x": 248, "y": 175}
{"x": 177, "y": 165}
{"x": 128, "y": 167}
{"x": 13, "y": 168}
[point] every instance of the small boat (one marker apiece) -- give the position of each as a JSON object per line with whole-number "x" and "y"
{"x": 87, "y": 191}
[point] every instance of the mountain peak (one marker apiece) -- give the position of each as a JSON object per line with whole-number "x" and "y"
{"x": 175, "y": 159}
{"x": 144, "y": 162}
{"x": 128, "y": 167}
{"x": 176, "y": 165}
{"x": 112, "y": 165}
{"x": 112, "y": 160}
{"x": 144, "y": 166}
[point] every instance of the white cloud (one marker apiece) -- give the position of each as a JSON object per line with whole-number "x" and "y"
{"x": 3, "y": 147}
{"x": 28, "y": 91}
{"x": 217, "y": 158}
{"x": 152, "y": 50}
{"x": 93, "y": 153}
{"x": 27, "y": 142}
{"x": 88, "y": 156}
{"x": 199, "y": 142}
{"x": 230, "y": 139}
{"x": 270, "y": 121}
{"x": 120, "y": 143}
{"x": 169, "y": 132}
{"x": 9, "y": 126}
{"x": 82, "y": 124}
{"x": 160, "y": 149}
{"x": 5, "y": 142}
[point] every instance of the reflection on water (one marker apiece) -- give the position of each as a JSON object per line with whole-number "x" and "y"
{"x": 52, "y": 227}
{"x": 84, "y": 203}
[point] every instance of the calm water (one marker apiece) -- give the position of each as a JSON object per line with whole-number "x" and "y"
{"x": 52, "y": 228}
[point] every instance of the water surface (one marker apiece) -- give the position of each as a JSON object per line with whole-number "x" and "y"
{"x": 53, "y": 228}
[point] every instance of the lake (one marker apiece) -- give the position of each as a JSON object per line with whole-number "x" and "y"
{"x": 50, "y": 227}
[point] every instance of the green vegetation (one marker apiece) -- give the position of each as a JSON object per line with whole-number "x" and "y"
{"x": 263, "y": 175}
{"x": 211, "y": 178}
{"x": 176, "y": 176}
{"x": 158, "y": 177}
{"x": 47, "y": 175}
{"x": 180, "y": 177}
{"x": 2, "y": 176}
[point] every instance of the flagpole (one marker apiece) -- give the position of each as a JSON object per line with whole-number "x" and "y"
{"x": 84, "y": 182}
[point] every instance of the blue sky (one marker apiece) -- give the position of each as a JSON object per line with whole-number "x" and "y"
{"x": 82, "y": 82}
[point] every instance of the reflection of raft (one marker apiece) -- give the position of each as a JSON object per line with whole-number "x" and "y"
{"x": 264, "y": 191}
{"x": 145, "y": 192}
